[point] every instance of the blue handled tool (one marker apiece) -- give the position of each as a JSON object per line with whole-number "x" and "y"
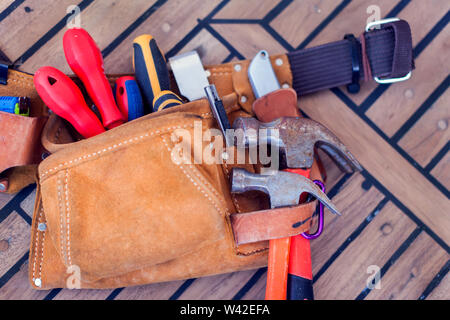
{"x": 128, "y": 98}
{"x": 15, "y": 105}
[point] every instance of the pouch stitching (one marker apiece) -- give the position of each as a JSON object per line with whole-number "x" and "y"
{"x": 211, "y": 188}
{"x": 137, "y": 138}
{"x": 36, "y": 246}
{"x": 115, "y": 146}
{"x": 61, "y": 220}
{"x": 202, "y": 191}
{"x": 245, "y": 254}
{"x": 66, "y": 193}
{"x": 26, "y": 83}
{"x": 220, "y": 73}
{"x": 233, "y": 197}
{"x": 220, "y": 68}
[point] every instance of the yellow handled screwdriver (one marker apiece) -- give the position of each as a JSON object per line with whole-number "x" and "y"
{"x": 152, "y": 75}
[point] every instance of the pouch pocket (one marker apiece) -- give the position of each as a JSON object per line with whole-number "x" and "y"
{"x": 19, "y": 140}
{"x": 118, "y": 202}
{"x": 20, "y": 147}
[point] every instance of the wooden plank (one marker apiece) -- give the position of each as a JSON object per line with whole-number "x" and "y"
{"x": 252, "y": 38}
{"x": 382, "y": 161}
{"x": 408, "y": 277}
{"x": 168, "y": 25}
{"x": 430, "y": 134}
{"x": 300, "y": 18}
{"x": 442, "y": 291}
{"x": 19, "y": 288}
{"x": 210, "y": 50}
{"x": 249, "y": 9}
{"x": 401, "y": 100}
{"x": 334, "y": 174}
{"x": 15, "y": 241}
{"x": 27, "y": 204}
{"x": 5, "y": 198}
{"x": 5, "y": 4}
{"x": 16, "y": 40}
{"x": 154, "y": 291}
{"x": 83, "y": 294}
{"x": 356, "y": 204}
{"x": 104, "y": 20}
{"x": 219, "y": 287}
{"x": 352, "y": 19}
{"x": 442, "y": 171}
{"x": 347, "y": 275}
{"x": 258, "y": 290}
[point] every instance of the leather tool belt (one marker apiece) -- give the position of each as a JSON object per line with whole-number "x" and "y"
{"x": 116, "y": 208}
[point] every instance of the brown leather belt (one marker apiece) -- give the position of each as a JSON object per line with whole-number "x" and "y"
{"x": 384, "y": 53}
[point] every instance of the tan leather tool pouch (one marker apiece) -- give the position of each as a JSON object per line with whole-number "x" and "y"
{"x": 116, "y": 210}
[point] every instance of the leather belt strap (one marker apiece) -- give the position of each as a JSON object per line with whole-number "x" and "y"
{"x": 387, "y": 51}
{"x": 272, "y": 223}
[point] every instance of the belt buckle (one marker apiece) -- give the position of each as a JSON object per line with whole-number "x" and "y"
{"x": 386, "y": 80}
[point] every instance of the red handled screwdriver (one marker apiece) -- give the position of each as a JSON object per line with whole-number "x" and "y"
{"x": 65, "y": 99}
{"x": 85, "y": 59}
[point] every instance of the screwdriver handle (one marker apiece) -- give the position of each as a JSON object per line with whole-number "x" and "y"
{"x": 128, "y": 97}
{"x": 150, "y": 69}
{"x": 166, "y": 99}
{"x": 65, "y": 99}
{"x": 85, "y": 59}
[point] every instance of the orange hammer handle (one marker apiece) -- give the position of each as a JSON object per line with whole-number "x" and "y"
{"x": 277, "y": 270}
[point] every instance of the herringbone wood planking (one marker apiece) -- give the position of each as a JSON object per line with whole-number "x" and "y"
{"x": 382, "y": 207}
{"x": 41, "y": 15}
{"x": 442, "y": 171}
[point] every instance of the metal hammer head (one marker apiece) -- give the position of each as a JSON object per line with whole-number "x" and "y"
{"x": 284, "y": 188}
{"x": 296, "y": 138}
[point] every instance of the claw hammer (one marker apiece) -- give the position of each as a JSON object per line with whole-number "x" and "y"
{"x": 296, "y": 139}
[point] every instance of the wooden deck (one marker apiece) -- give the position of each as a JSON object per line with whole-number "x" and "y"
{"x": 396, "y": 213}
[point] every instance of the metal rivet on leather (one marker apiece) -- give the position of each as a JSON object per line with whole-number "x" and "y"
{"x": 208, "y": 73}
{"x": 244, "y": 99}
{"x": 285, "y": 85}
{"x": 237, "y": 67}
{"x": 37, "y": 282}
{"x": 225, "y": 156}
{"x": 279, "y": 62}
{"x": 42, "y": 226}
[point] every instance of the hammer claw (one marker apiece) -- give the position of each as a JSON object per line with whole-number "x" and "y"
{"x": 284, "y": 188}
{"x": 296, "y": 139}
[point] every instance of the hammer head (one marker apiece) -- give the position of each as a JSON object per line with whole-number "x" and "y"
{"x": 284, "y": 188}
{"x": 296, "y": 139}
